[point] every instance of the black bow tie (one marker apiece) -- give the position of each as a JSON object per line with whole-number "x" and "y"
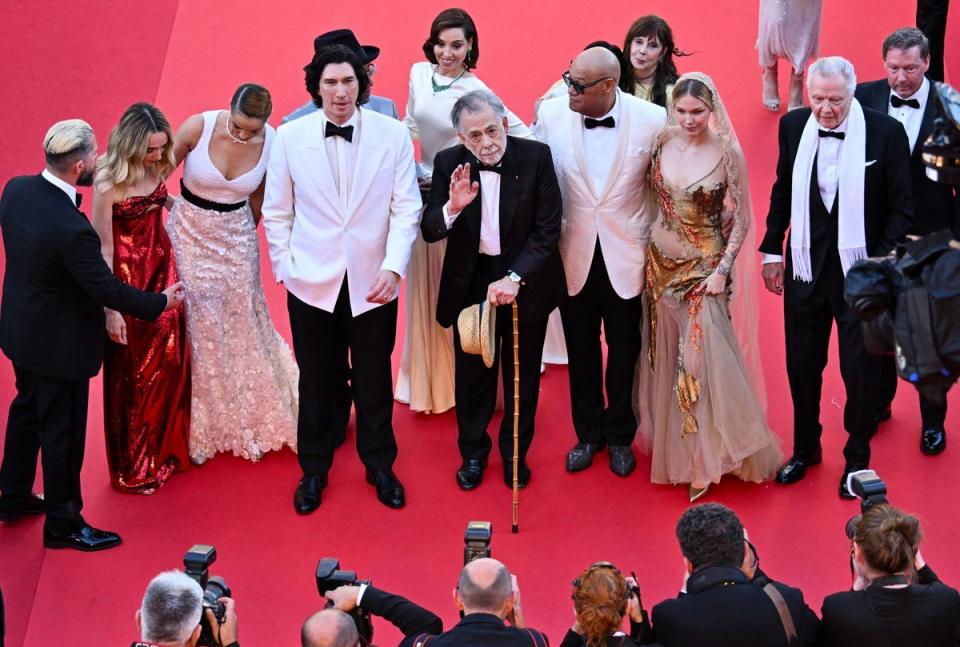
{"x": 897, "y": 102}
{"x": 832, "y": 133}
{"x": 78, "y": 200}
{"x": 489, "y": 169}
{"x": 607, "y": 122}
{"x": 333, "y": 130}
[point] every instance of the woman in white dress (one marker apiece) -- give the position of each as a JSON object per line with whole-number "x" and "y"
{"x": 244, "y": 376}
{"x": 789, "y": 29}
{"x": 426, "y": 375}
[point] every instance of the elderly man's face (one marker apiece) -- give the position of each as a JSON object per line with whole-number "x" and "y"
{"x": 829, "y": 99}
{"x": 484, "y": 134}
{"x": 905, "y": 69}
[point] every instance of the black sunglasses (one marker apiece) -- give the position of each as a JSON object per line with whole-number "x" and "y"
{"x": 578, "y": 87}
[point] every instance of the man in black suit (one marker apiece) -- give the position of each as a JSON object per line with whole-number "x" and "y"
{"x": 327, "y": 627}
{"x": 497, "y": 201}
{"x": 52, "y": 328}
{"x": 906, "y": 96}
{"x": 843, "y": 189}
{"x": 720, "y": 606}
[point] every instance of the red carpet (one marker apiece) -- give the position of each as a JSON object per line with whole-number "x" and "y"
{"x": 92, "y": 59}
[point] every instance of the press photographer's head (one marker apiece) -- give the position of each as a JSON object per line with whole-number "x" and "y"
{"x": 711, "y": 535}
{"x": 329, "y": 628}
{"x": 170, "y": 612}
{"x": 485, "y": 586}
{"x": 600, "y": 602}
{"x": 885, "y": 542}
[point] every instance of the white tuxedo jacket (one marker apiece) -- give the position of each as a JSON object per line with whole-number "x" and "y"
{"x": 314, "y": 239}
{"x": 622, "y": 214}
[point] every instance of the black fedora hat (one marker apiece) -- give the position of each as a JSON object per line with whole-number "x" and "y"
{"x": 366, "y": 53}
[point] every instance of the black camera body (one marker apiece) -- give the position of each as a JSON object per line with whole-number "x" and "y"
{"x": 330, "y": 577}
{"x": 870, "y": 489}
{"x": 197, "y": 563}
{"x": 476, "y": 540}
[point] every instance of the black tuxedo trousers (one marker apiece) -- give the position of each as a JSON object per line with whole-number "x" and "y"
{"x": 322, "y": 342}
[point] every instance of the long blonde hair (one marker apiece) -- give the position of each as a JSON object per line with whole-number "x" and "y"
{"x": 122, "y": 165}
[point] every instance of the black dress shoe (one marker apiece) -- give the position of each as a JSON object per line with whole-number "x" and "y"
{"x": 12, "y": 509}
{"x": 884, "y": 414}
{"x": 796, "y": 468}
{"x": 523, "y": 474}
{"x": 470, "y": 474}
{"x": 581, "y": 457}
{"x": 622, "y": 461}
{"x": 87, "y": 538}
{"x": 307, "y": 497}
{"x": 389, "y": 488}
{"x": 933, "y": 441}
{"x": 844, "y": 492}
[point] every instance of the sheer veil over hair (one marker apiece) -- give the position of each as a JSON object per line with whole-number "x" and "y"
{"x": 737, "y": 209}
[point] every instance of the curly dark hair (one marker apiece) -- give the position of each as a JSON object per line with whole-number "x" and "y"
{"x": 331, "y": 55}
{"x": 454, "y": 19}
{"x": 656, "y": 27}
{"x": 711, "y": 535}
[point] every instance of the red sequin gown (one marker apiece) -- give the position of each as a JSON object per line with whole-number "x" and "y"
{"x": 146, "y": 384}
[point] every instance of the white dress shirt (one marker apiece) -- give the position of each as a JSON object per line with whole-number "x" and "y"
{"x": 489, "y": 213}
{"x": 828, "y": 174}
{"x": 911, "y": 118}
{"x": 66, "y": 187}
{"x": 600, "y": 145}
{"x": 343, "y": 156}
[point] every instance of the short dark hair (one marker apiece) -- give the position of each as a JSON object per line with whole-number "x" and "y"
{"x": 490, "y": 598}
{"x": 711, "y": 535}
{"x": 904, "y": 39}
{"x": 253, "y": 101}
{"x": 332, "y": 55}
{"x": 454, "y": 19}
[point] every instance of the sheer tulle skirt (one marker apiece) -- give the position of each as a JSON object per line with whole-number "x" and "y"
{"x": 788, "y": 29}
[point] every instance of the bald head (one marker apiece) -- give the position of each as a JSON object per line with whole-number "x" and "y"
{"x": 485, "y": 586}
{"x": 592, "y": 82}
{"x": 597, "y": 62}
{"x": 329, "y": 628}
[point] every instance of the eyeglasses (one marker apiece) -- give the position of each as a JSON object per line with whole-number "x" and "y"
{"x": 578, "y": 87}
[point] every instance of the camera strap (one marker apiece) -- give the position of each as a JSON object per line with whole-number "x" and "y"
{"x": 783, "y": 610}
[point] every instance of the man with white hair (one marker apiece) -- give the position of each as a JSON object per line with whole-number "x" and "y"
{"x": 170, "y": 614}
{"x": 55, "y": 288}
{"x": 843, "y": 189}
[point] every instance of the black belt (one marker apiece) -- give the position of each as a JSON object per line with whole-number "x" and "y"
{"x": 203, "y": 203}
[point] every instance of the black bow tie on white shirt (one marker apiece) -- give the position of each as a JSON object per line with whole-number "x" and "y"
{"x": 333, "y": 130}
{"x": 897, "y": 102}
{"x": 490, "y": 169}
{"x": 832, "y": 133}
{"x": 607, "y": 122}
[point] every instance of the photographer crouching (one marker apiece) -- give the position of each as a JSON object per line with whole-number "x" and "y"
{"x": 896, "y": 598}
{"x": 171, "y": 613}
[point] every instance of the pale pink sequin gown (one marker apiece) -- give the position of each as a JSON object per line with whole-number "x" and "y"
{"x": 244, "y": 375}
{"x": 789, "y": 29}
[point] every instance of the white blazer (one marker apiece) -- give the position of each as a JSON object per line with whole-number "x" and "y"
{"x": 621, "y": 216}
{"x": 314, "y": 239}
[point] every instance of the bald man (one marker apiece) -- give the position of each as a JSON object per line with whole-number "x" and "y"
{"x": 601, "y": 140}
{"x": 55, "y": 288}
{"x": 329, "y": 628}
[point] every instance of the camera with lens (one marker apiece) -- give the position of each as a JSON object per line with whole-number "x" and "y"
{"x": 870, "y": 489}
{"x": 941, "y": 151}
{"x": 330, "y": 577}
{"x": 197, "y": 563}
{"x": 476, "y": 540}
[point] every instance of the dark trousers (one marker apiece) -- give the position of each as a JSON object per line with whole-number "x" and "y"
{"x": 47, "y": 417}
{"x": 321, "y": 342}
{"x": 582, "y": 315}
{"x": 476, "y": 385}
{"x": 933, "y": 406}
{"x": 807, "y": 323}
{"x": 932, "y": 21}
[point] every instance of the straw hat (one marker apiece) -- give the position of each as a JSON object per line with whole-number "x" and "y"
{"x": 476, "y": 325}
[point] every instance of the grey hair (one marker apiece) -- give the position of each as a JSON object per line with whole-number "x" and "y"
{"x": 475, "y": 101}
{"x": 831, "y": 67}
{"x": 171, "y": 608}
{"x": 66, "y": 142}
{"x": 490, "y": 598}
{"x": 906, "y": 38}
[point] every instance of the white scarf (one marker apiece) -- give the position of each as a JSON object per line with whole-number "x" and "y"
{"x": 851, "y": 237}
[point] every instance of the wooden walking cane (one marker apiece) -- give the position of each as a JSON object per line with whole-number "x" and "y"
{"x": 516, "y": 419}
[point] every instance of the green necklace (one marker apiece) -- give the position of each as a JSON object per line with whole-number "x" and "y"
{"x": 440, "y": 88}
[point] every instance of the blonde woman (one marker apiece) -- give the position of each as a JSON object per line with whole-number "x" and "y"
{"x": 146, "y": 371}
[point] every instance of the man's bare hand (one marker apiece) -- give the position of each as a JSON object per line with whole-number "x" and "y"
{"x": 462, "y": 190}
{"x": 344, "y": 597}
{"x": 175, "y": 295}
{"x": 772, "y": 274}
{"x": 226, "y": 633}
{"x": 117, "y": 327}
{"x": 502, "y": 292}
{"x": 384, "y": 287}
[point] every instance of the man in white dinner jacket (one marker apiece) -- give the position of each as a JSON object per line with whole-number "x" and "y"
{"x": 341, "y": 211}
{"x": 601, "y": 140}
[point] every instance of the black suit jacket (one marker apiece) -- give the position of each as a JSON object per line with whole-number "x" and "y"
{"x": 411, "y": 619}
{"x": 888, "y": 202}
{"x": 934, "y": 204}
{"x": 723, "y": 609}
{"x": 56, "y": 284}
{"x": 530, "y": 217}
{"x": 482, "y": 630}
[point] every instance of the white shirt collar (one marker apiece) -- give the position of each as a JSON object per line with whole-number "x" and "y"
{"x": 920, "y": 95}
{"x": 66, "y": 187}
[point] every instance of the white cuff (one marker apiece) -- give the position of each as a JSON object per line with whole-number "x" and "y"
{"x": 449, "y": 218}
{"x": 772, "y": 258}
{"x": 363, "y": 589}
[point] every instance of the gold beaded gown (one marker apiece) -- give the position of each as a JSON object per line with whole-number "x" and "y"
{"x": 698, "y": 405}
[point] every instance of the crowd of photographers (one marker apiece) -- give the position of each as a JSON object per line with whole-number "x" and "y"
{"x": 726, "y": 600}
